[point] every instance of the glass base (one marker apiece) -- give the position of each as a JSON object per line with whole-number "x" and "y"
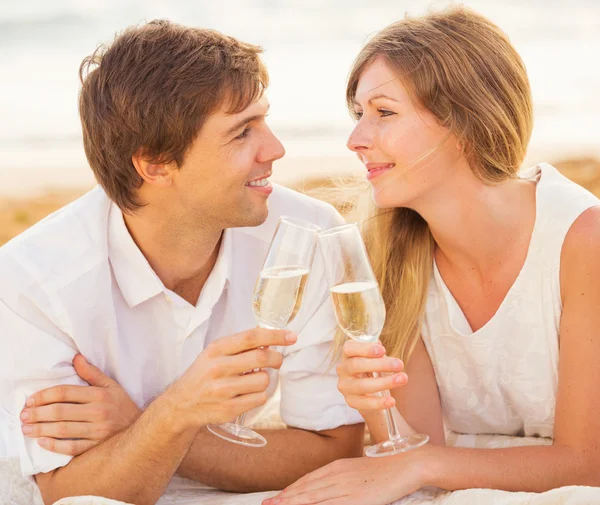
{"x": 237, "y": 434}
{"x": 401, "y": 444}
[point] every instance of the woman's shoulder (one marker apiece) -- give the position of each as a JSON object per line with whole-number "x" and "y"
{"x": 582, "y": 243}
{"x": 556, "y": 188}
{"x": 559, "y": 201}
{"x": 579, "y": 274}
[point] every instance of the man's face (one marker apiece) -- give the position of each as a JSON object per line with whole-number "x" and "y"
{"x": 223, "y": 181}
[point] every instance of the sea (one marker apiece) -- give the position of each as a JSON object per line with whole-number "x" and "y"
{"x": 309, "y": 48}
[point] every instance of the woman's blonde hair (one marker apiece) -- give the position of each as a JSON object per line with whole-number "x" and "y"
{"x": 463, "y": 69}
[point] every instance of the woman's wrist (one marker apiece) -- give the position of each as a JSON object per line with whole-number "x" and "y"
{"x": 426, "y": 461}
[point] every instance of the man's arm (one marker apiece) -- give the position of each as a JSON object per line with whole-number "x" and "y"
{"x": 136, "y": 464}
{"x": 133, "y": 466}
{"x": 289, "y": 454}
{"x": 209, "y": 459}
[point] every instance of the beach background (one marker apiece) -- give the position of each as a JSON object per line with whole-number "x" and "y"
{"x": 310, "y": 45}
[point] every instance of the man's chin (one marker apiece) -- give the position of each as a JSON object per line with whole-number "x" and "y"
{"x": 254, "y": 217}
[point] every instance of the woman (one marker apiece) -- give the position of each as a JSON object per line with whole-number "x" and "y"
{"x": 490, "y": 274}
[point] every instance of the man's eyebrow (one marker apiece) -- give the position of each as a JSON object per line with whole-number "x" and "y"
{"x": 375, "y": 97}
{"x": 244, "y": 121}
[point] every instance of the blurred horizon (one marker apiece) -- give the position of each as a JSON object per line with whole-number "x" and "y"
{"x": 309, "y": 48}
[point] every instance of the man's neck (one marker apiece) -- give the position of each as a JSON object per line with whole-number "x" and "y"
{"x": 182, "y": 259}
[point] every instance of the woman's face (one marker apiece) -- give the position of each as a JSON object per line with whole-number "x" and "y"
{"x": 405, "y": 150}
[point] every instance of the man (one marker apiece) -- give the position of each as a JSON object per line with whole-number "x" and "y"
{"x": 150, "y": 277}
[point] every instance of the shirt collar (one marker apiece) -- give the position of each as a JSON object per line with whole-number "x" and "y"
{"x": 134, "y": 275}
{"x": 219, "y": 278}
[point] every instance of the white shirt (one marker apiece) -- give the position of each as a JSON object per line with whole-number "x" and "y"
{"x": 77, "y": 282}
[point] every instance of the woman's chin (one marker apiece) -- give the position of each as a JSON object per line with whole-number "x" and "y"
{"x": 386, "y": 201}
{"x": 390, "y": 198}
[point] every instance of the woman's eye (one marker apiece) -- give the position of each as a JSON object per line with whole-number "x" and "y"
{"x": 244, "y": 134}
{"x": 382, "y": 113}
{"x": 385, "y": 112}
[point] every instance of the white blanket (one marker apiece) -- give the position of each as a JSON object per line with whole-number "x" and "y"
{"x": 15, "y": 490}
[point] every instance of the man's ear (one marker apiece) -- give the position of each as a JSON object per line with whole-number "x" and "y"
{"x": 155, "y": 174}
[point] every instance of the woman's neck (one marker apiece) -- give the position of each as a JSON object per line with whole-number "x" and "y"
{"x": 474, "y": 225}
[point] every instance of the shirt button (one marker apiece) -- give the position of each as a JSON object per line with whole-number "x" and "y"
{"x": 169, "y": 299}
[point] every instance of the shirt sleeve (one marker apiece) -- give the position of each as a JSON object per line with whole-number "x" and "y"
{"x": 310, "y": 399}
{"x": 34, "y": 354}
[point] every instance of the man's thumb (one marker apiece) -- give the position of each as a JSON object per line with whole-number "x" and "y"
{"x": 89, "y": 373}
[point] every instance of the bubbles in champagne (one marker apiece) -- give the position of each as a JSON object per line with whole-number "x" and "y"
{"x": 278, "y": 295}
{"x": 359, "y": 309}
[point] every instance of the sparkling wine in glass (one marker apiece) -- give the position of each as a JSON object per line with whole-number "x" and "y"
{"x": 360, "y": 311}
{"x": 277, "y": 299}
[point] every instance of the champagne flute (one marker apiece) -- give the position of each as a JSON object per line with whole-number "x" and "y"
{"x": 277, "y": 299}
{"x": 360, "y": 311}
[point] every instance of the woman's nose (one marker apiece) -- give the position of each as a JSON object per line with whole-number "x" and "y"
{"x": 360, "y": 139}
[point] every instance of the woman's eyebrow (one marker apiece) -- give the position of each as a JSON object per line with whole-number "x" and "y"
{"x": 379, "y": 95}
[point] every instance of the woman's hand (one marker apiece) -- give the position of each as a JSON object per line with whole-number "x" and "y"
{"x": 356, "y": 381}
{"x": 358, "y": 481}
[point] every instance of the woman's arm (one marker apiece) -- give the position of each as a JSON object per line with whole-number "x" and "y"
{"x": 574, "y": 457}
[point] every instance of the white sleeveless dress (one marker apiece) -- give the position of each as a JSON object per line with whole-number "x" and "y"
{"x": 502, "y": 379}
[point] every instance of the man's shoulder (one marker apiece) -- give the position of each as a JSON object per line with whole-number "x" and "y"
{"x": 287, "y": 202}
{"x": 62, "y": 244}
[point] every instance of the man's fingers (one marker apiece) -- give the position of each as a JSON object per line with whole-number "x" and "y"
{"x": 61, "y": 412}
{"x": 91, "y": 374}
{"x": 244, "y": 403}
{"x": 250, "y": 360}
{"x": 68, "y": 447}
{"x": 62, "y": 430}
{"x": 63, "y": 394}
{"x": 255, "y": 382}
{"x": 251, "y": 339}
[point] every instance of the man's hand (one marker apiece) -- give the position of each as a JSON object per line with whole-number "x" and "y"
{"x": 216, "y": 388}
{"x": 72, "y": 419}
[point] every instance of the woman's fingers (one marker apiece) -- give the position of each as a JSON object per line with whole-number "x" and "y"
{"x": 312, "y": 477}
{"x": 324, "y": 493}
{"x": 366, "y": 402}
{"x": 350, "y": 385}
{"x": 354, "y": 349}
{"x": 357, "y": 366}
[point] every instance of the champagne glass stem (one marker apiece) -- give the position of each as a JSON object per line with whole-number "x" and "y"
{"x": 239, "y": 420}
{"x": 390, "y": 422}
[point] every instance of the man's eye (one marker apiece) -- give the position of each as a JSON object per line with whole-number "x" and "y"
{"x": 244, "y": 134}
{"x": 385, "y": 112}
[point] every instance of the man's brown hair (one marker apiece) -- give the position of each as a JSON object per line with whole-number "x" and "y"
{"x": 152, "y": 89}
